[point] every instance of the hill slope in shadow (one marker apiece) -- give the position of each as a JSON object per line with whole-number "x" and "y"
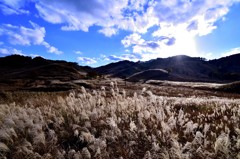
{"x": 37, "y": 73}
{"x": 183, "y": 68}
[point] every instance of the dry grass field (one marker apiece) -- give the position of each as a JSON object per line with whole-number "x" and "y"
{"x": 120, "y": 120}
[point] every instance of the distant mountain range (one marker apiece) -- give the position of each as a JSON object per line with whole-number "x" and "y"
{"x": 27, "y": 72}
{"x": 177, "y": 68}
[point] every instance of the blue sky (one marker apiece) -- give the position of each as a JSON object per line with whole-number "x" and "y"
{"x": 97, "y": 32}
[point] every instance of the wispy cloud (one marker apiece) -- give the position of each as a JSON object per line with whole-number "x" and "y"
{"x": 86, "y": 60}
{"x": 108, "y": 31}
{"x": 20, "y": 35}
{"x": 80, "y": 15}
{"x": 9, "y": 7}
{"x": 78, "y": 52}
{"x": 111, "y": 16}
{"x": 231, "y": 52}
{"x": 10, "y": 51}
{"x": 36, "y": 55}
{"x": 137, "y": 16}
{"x": 51, "y": 49}
{"x": 114, "y": 58}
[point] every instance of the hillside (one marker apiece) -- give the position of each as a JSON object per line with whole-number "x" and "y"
{"x": 121, "y": 69}
{"x": 183, "y": 68}
{"x": 37, "y": 73}
{"x": 156, "y": 74}
{"x": 20, "y": 72}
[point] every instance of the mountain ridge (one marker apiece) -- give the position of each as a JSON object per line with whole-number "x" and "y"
{"x": 225, "y": 69}
{"x": 176, "y": 68}
{"x": 22, "y": 72}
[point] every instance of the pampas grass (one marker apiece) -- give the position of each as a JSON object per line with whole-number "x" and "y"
{"x": 112, "y": 124}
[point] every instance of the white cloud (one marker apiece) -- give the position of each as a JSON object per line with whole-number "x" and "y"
{"x": 87, "y": 60}
{"x": 139, "y": 45}
{"x": 184, "y": 42}
{"x": 20, "y": 35}
{"x": 108, "y": 31}
{"x": 78, "y": 52}
{"x": 51, "y": 49}
{"x": 35, "y": 55}
{"x": 132, "y": 15}
{"x": 231, "y": 52}
{"x": 113, "y": 58}
{"x": 10, "y": 51}
{"x": 13, "y": 3}
{"x": 4, "y": 51}
{"x": 80, "y": 15}
{"x": 133, "y": 39}
{"x": 174, "y": 24}
{"x": 9, "y": 7}
{"x": 179, "y": 22}
{"x": 137, "y": 4}
{"x": 111, "y": 15}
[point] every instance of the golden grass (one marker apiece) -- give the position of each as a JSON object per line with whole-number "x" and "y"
{"x": 112, "y": 123}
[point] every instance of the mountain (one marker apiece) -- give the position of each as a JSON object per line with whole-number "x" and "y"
{"x": 228, "y": 68}
{"x": 120, "y": 69}
{"x": 177, "y": 68}
{"x": 26, "y": 72}
{"x": 39, "y": 74}
{"x": 16, "y": 66}
{"x": 157, "y": 74}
